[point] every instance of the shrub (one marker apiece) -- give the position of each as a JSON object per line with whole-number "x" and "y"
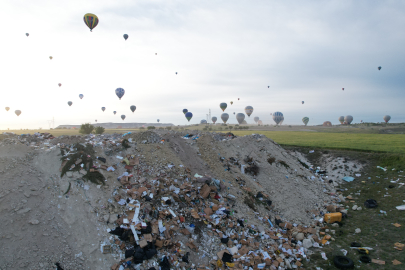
{"x": 99, "y": 130}
{"x": 230, "y": 127}
{"x": 141, "y": 128}
{"x": 86, "y": 128}
{"x": 168, "y": 128}
{"x": 151, "y": 127}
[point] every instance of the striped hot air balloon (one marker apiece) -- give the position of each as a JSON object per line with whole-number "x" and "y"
{"x": 305, "y": 120}
{"x": 90, "y": 20}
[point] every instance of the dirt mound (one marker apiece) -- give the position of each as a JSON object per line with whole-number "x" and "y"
{"x": 185, "y": 197}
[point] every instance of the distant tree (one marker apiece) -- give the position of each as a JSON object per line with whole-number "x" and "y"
{"x": 230, "y": 127}
{"x": 151, "y": 127}
{"x": 86, "y": 128}
{"x": 99, "y": 130}
{"x": 141, "y": 128}
{"x": 168, "y": 128}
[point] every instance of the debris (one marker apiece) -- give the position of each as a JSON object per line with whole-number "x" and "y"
{"x": 378, "y": 261}
{"x": 396, "y": 262}
{"x": 348, "y": 178}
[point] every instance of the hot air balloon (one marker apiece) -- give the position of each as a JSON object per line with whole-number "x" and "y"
{"x": 123, "y": 117}
{"x": 155, "y": 53}
{"x": 50, "y": 57}
{"x": 133, "y": 108}
{"x": 119, "y": 92}
{"x": 278, "y": 117}
{"x": 27, "y": 34}
{"x": 361, "y": 121}
{"x": 70, "y": 103}
{"x": 248, "y": 110}
{"x": 96, "y": 120}
{"x": 59, "y": 84}
{"x": 224, "y": 117}
{"x": 260, "y": 122}
{"x": 238, "y": 98}
{"x": 7, "y": 108}
{"x": 81, "y": 96}
{"x": 233, "y": 112}
{"x": 305, "y": 120}
{"x": 268, "y": 86}
{"x": 387, "y": 118}
{"x": 18, "y": 112}
{"x": 240, "y": 117}
{"x": 343, "y": 89}
{"x": 176, "y": 73}
{"x": 114, "y": 112}
{"x": 223, "y": 106}
{"x": 348, "y": 119}
{"x": 125, "y": 36}
{"x": 103, "y": 109}
{"x": 189, "y": 115}
{"x": 256, "y": 119}
{"x": 379, "y": 68}
{"x": 158, "y": 120}
{"x": 231, "y": 102}
{"x": 214, "y": 119}
{"x": 341, "y": 119}
{"x": 90, "y": 20}
{"x": 327, "y": 124}
{"x": 185, "y": 111}
{"x": 302, "y": 102}
{"x": 203, "y": 121}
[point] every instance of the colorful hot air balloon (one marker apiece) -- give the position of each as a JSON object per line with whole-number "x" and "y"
{"x": 81, "y": 96}
{"x": 305, "y": 120}
{"x": 379, "y": 68}
{"x": 278, "y": 117}
{"x": 256, "y": 119}
{"x": 50, "y": 57}
{"x": 268, "y": 86}
{"x": 302, "y": 102}
{"x": 348, "y": 119}
{"x": 123, "y": 117}
{"x": 133, "y": 108}
{"x": 240, "y": 117}
{"x": 27, "y": 34}
{"x": 387, "y": 118}
{"x": 343, "y": 89}
{"x": 90, "y": 20}
{"x": 260, "y": 122}
{"x": 214, "y": 119}
{"x": 103, "y": 109}
{"x": 327, "y": 124}
{"x": 125, "y": 36}
{"x": 7, "y": 108}
{"x": 224, "y": 117}
{"x": 185, "y": 111}
{"x": 158, "y": 120}
{"x": 70, "y": 103}
{"x": 248, "y": 110}
{"x": 231, "y": 102}
{"x": 114, "y": 112}
{"x": 119, "y": 92}
{"x": 17, "y": 112}
{"x": 59, "y": 84}
{"x": 203, "y": 121}
{"x": 189, "y": 115}
{"x": 223, "y": 106}
{"x": 341, "y": 119}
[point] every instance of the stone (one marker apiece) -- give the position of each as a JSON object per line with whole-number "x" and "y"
{"x": 335, "y": 225}
{"x": 23, "y": 211}
{"x": 354, "y": 207}
{"x": 106, "y": 217}
{"x": 307, "y": 243}
{"x": 359, "y": 208}
{"x": 357, "y": 230}
{"x": 300, "y": 236}
{"x": 34, "y": 221}
{"x": 113, "y": 218}
{"x": 69, "y": 174}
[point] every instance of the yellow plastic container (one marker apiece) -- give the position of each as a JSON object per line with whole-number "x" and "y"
{"x": 333, "y": 217}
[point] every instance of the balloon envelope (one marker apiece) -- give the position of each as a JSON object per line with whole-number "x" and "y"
{"x": 248, "y": 110}
{"x": 7, "y": 108}
{"x": 125, "y": 36}
{"x": 122, "y": 117}
{"x": 133, "y": 108}
{"x": 81, "y": 96}
{"x": 158, "y": 120}
{"x": 341, "y": 119}
{"x": 17, "y": 112}
{"x": 305, "y": 120}
{"x": 59, "y": 84}
{"x": 214, "y": 119}
{"x": 27, "y": 34}
{"x": 103, "y": 109}
{"x": 114, "y": 112}
{"x": 278, "y": 117}
{"x": 240, "y": 117}
{"x": 119, "y": 92}
{"x": 379, "y": 68}
{"x": 223, "y": 106}
{"x": 387, "y": 118}
{"x": 231, "y": 102}
{"x": 225, "y": 117}
{"x": 185, "y": 111}
{"x": 302, "y": 102}
{"x": 189, "y": 115}
{"x": 348, "y": 119}
{"x": 256, "y": 119}
{"x": 203, "y": 121}
{"x": 50, "y": 57}
{"x": 70, "y": 103}
{"x": 327, "y": 124}
{"x": 90, "y": 20}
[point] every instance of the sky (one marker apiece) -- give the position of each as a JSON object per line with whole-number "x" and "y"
{"x": 227, "y": 50}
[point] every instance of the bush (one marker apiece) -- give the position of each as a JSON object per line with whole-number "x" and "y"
{"x": 141, "y": 128}
{"x": 151, "y": 127}
{"x": 168, "y": 128}
{"x": 99, "y": 130}
{"x": 230, "y": 127}
{"x": 86, "y": 128}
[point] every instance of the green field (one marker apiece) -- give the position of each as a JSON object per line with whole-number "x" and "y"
{"x": 392, "y": 143}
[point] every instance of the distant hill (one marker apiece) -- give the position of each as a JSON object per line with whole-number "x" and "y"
{"x": 119, "y": 125}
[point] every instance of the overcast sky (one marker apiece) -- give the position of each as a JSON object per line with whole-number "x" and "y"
{"x": 222, "y": 50}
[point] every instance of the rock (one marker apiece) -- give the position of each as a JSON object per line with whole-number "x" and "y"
{"x": 27, "y": 194}
{"x": 34, "y": 221}
{"x": 23, "y": 211}
{"x": 354, "y": 207}
{"x": 288, "y": 264}
{"x": 69, "y": 174}
{"x": 113, "y": 218}
{"x": 307, "y": 243}
{"x": 357, "y": 230}
{"x": 106, "y": 217}
{"x": 344, "y": 211}
{"x": 300, "y": 236}
{"x": 359, "y": 208}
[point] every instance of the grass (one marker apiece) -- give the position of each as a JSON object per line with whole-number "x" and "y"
{"x": 392, "y": 143}
{"x": 377, "y": 229}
